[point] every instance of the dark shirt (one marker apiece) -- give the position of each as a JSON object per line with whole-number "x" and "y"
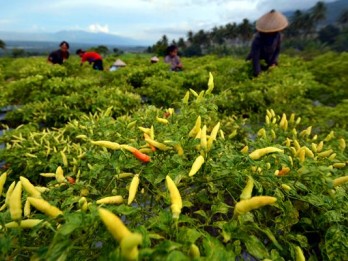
{"x": 265, "y": 46}
{"x": 57, "y": 57}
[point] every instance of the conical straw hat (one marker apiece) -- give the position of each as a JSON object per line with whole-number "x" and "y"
{"x": 119, "y": 63}
{"x": 271, "y": 22}
{"x": 154, "y": 59}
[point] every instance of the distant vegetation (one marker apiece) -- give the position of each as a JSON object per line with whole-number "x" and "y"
{"x": 305, "y": 32}
{"x": 324, "y": 27}
{"x": 2, "y": 44}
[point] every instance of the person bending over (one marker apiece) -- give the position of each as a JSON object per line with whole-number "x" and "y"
{"x": 92, "y": 58}
{"x": 266, "y": 43}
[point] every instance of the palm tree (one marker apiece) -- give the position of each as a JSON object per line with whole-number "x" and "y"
{"x": 181, "y": 43}
{"x": 2, "y": 44}
{"x": 217, "y": 35}
{"x": 342, "y": 20}
{"x": 301, "y": 24}
{"x": 245, "y": 30}
{"x": 190, "y": 36}
{"x": 296, "y": 22}
{"x": 164, "y": 40}
{"x": 201, "y": 38}
{"x": 318, "y": 12}
{"x": 231, "y": 31}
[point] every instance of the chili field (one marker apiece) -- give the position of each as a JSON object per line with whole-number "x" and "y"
{"x": 146, "y": 164}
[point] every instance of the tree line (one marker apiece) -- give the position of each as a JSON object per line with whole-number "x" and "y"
{"x": 303, "y": 27}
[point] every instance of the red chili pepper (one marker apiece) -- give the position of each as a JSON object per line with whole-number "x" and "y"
{"x": 166, "y": 115}
{"x": 141, "y": 156}
{"x": 70, "y": 180}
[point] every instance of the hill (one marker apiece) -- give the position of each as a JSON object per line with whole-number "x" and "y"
{"x": 334, "y": 10}
{"x": 72, "y": 36}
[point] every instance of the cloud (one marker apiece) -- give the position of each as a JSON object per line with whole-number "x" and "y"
{"x": 97, "y": 28}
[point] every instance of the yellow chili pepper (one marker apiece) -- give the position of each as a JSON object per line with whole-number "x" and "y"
{"x": 29, "y": 188}
{"x": 257, "y": 154}
{"x": 248, "y": 189}
{"x": 131, "y": 124}
{"x": 330, "y": 136}
{"x": 197, "y": 164}
{"x": 325, "y": 153}
{"x": 3, "y": 178}
{"x": 320, "y": 146}
{"x": 339, "y": 165}
{"x": 16, "y": 202}
{"x": 245, "y": 149}
{"x": 268, "y": 121}
{"x": 27, "y": 223}
{"x": 175, "y": 197}
{"x": 340, "y": 181}
{"x": 297, "y": 145}
{"x": 45, "y": 207}
{"x": 283, "y": 124}
{"x": 186, "y": 97}
{"x": 48, "y": 175}
{"x": 64, "y": 158}
{"x": 145, "y": 130}
{"x": 286, "y": 187}
{"x": 8, "y": 195}
{"x": 302, "y": 155}
{"x": 204, "y": 138}
{"x": 133, "y": 188}
{"x": 292, "y": 118}
{"x": 194, "y": 92}
{"x": 60, "y": 175}
{"x": 107, "y": 144}
{"x": 162, "y": 120}
{"x": 210, "y": 83}
{"x": 194, "y": 251}
{"x": 213, "y": 135}
{"x": 110, "y": 200}
{"x": 261, "y": 133}
{"x": 26, "y": 209}
{"x": 256, "y": 202}
{"x": 308, "y": 152}
{"x": 157, "y": 144}
{"x": 129, "y": 246}
{"x": 342, "y": 144}
{"x": 114, "y": 224}
{"x": 299, "y": 254}
{"x": 179, "y": 149}
{"x": 196, "y": 128}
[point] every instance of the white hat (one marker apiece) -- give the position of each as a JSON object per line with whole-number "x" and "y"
{"x": 119, "y": 63}
{"x": 154, "y": 59}
{"x": 273, "y": 21}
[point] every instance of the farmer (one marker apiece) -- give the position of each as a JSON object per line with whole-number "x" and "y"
{"x": 172, "y": 58}
{"x": 154, "y": 59}
{"x": 60, "y": 55}
{"x": 91, "y": 57}
{"x": 266, "y": 43}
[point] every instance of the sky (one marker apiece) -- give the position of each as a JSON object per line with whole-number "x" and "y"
{"x": 145, "y": 20}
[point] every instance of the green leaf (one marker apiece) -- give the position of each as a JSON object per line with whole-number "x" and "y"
{"x": 255, "y": 247}
{"x": 336, "y": 243}
{"x": 188, "y": 235}
{"x": 221, "y": 207}
{"x": 176, "y": 255}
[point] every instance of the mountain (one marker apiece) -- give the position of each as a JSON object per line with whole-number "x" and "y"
{"x": 333, "y": 11}
{"x": 73, "y": 36}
